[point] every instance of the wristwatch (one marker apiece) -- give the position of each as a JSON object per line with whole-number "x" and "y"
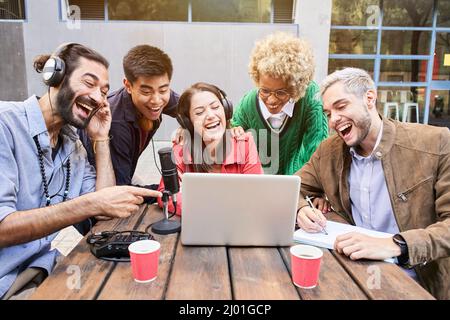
{"x": 403, "y": 258}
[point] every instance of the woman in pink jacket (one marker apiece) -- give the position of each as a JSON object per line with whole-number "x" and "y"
{"x": 205, "y": 112}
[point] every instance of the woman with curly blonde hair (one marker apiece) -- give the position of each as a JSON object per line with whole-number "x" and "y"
{"x": 286, "y": 103}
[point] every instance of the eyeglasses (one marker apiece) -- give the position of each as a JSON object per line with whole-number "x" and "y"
{"x": 280, "y": 94}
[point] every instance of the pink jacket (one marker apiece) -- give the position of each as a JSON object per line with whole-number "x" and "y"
{"x": 242, "y": 158}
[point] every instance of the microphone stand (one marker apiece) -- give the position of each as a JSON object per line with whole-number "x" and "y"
{"x": 166, "y": 226}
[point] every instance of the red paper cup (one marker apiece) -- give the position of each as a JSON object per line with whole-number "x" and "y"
{"x": 144, "y": 256}
{"x": 305, "y": 265}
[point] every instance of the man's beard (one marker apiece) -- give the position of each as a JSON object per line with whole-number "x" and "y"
{"x": 364, "y": 124}
{"x": 64, "y": 106}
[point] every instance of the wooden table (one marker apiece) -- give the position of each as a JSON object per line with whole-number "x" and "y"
{"x": 196, "y": 273}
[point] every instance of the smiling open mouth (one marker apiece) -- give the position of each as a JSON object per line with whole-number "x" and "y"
{"x": 212, "y": 125}
{"x": 85, "y": 108}
{"x": 155, "y": 109}
{"x": 345, "y": 129}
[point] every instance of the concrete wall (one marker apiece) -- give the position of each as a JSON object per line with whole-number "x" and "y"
{"x": 13, "y": 78}
{"x": 211, "y": 52}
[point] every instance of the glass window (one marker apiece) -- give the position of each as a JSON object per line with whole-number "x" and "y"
{"x": 156, "y": 10}
{"x": 440, "y": 108}
{"x": 407, "y": 13}
{"x": 90, "y": 10}
{"x": 441, "y": 70}
{"x": 353, "y": 41}
{"x": 12, "y": 10}
{"x": 443, "y": 8}
{"x": 405, "y": 42}
{"x": 403, "y": 70}
{"x": 282, "y": 11}
{"x": 231, "y": 10}
{"x": 355, "y": 12}
{"x": 402, "y": 103}
{"x": 338, "y": 64}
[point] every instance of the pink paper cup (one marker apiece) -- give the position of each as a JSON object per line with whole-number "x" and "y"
{"x": 305, "y": 265}
{"x": 144, "y": 256}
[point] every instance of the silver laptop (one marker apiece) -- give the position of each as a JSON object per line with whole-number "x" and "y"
{"x": 238, "y": 209}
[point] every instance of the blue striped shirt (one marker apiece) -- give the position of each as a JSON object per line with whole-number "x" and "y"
{"x": 21, "y": 182}
{"x": 369, "y": 196}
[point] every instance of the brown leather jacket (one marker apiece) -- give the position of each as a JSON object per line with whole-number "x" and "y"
{"x": 416, "y": 163}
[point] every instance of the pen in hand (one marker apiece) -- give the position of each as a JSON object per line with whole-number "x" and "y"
{"x": 308, "y": 199}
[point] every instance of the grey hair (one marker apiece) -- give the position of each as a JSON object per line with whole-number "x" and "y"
{"x": 356, "y": 81}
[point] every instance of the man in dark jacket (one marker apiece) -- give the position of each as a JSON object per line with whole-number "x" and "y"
{"x": 137, "y": 108}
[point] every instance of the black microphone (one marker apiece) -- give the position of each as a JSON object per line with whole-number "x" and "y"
{"x": 169, "y": 171}
{"x": 171, "y": 187}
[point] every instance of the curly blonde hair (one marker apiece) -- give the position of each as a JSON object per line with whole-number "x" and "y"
{"x": 283, "y": 55}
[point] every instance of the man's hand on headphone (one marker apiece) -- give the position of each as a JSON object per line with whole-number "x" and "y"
{"x": 100, "y": 123}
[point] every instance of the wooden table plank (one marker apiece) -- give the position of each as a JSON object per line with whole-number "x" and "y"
{"x": 80, "y": 275}
{"x": 199, "y": 273}
{"x": 334, "y": 282}
{"x": 121, "y": 285}
{"x": 382, "y": 280}
{"x": 260, "y": 274}
{"x": 379, "y": 279}
{"x": 205, "y": 273}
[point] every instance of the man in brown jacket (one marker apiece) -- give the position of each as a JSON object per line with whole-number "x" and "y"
{"x": 383, "y": 175}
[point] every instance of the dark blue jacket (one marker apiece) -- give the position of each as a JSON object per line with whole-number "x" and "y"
{"x": 125, "y": 134}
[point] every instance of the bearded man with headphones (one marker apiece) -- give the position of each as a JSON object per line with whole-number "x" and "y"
{"x": 47, "y": 182}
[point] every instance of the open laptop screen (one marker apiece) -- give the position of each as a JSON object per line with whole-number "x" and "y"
{"x": 239, "y": 209}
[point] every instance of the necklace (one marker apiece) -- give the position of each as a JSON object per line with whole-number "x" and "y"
{"x": 44, "y": 179}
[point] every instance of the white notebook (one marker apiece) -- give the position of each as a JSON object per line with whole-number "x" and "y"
{"x": 335, "y": 229}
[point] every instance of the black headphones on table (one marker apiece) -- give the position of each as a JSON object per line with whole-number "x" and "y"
{"x": 186, "y": 123}
{"x": 113, "y": 245}
{"x": 55, "y": 67}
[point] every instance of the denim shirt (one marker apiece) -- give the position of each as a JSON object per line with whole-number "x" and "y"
{"x": 21, "y": 185}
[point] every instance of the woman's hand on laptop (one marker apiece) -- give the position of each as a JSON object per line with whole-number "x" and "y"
{"x": 311, "y": 220}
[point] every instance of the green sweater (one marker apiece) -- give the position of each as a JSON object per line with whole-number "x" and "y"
{"x": 298, "y": 139}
